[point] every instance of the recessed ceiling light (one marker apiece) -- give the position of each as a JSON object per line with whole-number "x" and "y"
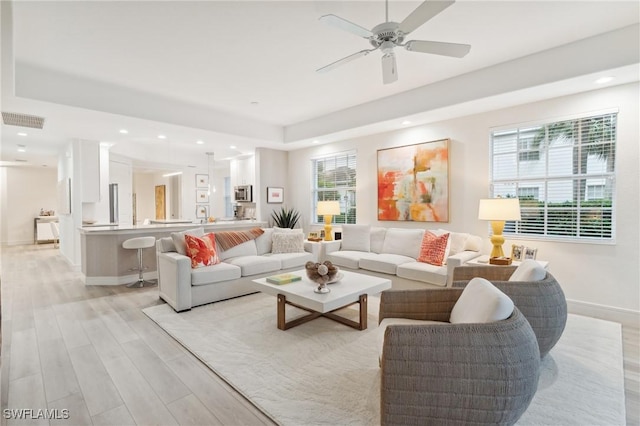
{"x": 316, "y": 141}
{"x": 405, "y": 122}
{"x": 603, "y": 80}
{"x": 255, "y": 103}
{"x": 22, "y": 134}
{"x": 22, "y": 148}
{"x": 200, "y": 142}
{"x": 162, "y": 137}
{"x": 124, "y": 131}
{"x": 232, "y": 147}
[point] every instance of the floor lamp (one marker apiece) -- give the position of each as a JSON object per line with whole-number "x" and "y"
{"x": 498, "y": 210}
{"x": 328, "y": 209}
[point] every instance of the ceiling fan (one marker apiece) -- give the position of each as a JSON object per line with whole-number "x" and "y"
{"x": 388, "y": 35}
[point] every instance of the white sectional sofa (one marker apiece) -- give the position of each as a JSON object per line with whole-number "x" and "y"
{"x": 183, "y": 287}
{"x": 395, "y": 251}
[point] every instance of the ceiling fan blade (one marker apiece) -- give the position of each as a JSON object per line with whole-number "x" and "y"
{"x": 344, "y": 60}
{"x": 389, "y": 68}
{"x": 343, "y": 24}
{"x": 438, "y": 48}
{"x": 427, "y": 10}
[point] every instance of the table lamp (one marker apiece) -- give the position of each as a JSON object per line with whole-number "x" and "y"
{"x": 328, "y": 209}
{"x": 498, "y": 210}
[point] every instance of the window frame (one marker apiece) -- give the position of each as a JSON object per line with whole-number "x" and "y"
{"x": 605, "y": 213}
{"x": 348, "y": 203}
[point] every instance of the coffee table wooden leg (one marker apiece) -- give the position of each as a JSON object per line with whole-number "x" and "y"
{"x": 282, "y": 303}
{"x": 363, "y": 312}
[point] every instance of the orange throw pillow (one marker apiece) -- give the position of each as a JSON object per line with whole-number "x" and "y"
{"x": 433, "y": 249}
{"x": 202, "y": 250}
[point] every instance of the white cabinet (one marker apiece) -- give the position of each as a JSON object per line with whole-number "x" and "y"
{"x": 243, "y": 172}
{"x": 90, "y": 171}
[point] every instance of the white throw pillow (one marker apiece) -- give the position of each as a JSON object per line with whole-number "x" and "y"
{"x": 178, "y": 239}
{"x": 473, "y": 243}
{"x": 287, "y": 242}
{"x": 529, "y": 270}
{"x": 377, "y": 239}
{"x": 481, "y": 302}
{"x": 356, "y": 237}
{"x": 457, "y": 240}
{"x": 405, "y": 242}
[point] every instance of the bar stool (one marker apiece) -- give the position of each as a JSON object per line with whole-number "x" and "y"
{"x": 139, "y": 244}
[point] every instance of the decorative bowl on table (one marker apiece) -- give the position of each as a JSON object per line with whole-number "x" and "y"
{"x": 322, "y": 274}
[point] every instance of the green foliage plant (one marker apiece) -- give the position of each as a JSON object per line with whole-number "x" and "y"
{"x": 285, "y": 218}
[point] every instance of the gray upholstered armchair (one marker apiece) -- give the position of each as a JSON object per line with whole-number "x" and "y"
{"x": 542, "y": 302}
{"x": 453, "y": 374}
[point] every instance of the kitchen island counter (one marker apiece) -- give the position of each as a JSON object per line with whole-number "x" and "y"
{"x": 105, "y": 262}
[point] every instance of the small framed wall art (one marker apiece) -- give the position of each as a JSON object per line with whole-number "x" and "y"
{"x": 202, "y": 212}
{"x": 275, "y": 195}
{"x": 202, "y": 196}
{"x": 202, "y": 181}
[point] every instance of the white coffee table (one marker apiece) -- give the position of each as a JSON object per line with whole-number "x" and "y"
{"x": 351, "y": 289}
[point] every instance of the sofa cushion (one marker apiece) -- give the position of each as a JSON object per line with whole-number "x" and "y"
{"x": 347, "y": 258}
{"x": 253, "y": 265}
{"x": 202, "y": 250}
{"x": 263, "y": 242}
{"x": 291, "y": 260}
{"x": 528, "y": 270}
{"x": 356, "y": 237}
{"x": 377, "y": 239}
{"x": 434, "y": 249}
{"x": 386, "y": 263}
{"x": 245, "y": 249}
{"x": 423, "y": 272}
{"x": 405, "y": 242}
{"x": 178, "y": 239}
{"x": 481, "y": 302}
{"x": 287, "y": 242}
{"x": 166, "y": 245}
{"x": 214, "y": 274}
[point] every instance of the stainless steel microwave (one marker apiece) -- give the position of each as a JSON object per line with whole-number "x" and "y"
{"x": 243, "y": 193}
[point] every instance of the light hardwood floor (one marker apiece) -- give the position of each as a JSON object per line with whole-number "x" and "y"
{"x": 92, "y": 351}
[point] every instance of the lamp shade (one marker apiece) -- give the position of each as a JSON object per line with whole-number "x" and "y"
{"x": 499, "y": 209}
{"x": 328, "y": 208}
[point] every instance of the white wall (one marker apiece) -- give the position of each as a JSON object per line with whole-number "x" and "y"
{"x": 271, "y": 170}
{"x": 25, "y": 191}
{"x": 592, "y": 275}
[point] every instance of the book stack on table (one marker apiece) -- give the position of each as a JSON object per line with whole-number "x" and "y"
{"x": 283, "y": 279}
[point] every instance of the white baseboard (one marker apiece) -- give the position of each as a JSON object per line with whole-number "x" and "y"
{"x": 120, "y": 280}
{"x": 626, "y": 317}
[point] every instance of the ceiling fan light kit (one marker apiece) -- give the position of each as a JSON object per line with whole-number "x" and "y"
{"x": 389, "y": 35}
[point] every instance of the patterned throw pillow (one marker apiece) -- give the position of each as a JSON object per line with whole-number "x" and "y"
{"x": 433, "y": 249}
{"x": 202, "y": 250}
{"x": 290, "y": 242}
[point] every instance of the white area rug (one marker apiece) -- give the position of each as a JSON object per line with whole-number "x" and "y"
{"x": 323, "y": 372}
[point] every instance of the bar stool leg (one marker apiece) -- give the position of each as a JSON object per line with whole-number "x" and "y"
{"x": 141, "y": 281}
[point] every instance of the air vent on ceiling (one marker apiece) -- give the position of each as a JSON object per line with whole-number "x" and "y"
{"x": 22, "y": 120}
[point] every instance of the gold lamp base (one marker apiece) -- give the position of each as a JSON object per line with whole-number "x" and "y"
{"x": 497, "y": 226}
{"x": 327, "y": 227}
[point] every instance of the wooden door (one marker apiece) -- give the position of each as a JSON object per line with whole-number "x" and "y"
{"x": 160, "y": 202}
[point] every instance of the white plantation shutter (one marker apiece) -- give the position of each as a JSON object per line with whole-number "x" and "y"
{"x": 334, "y": 179}
{"x": 564, "y": 175}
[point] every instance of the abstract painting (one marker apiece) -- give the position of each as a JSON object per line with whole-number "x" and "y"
{"x": 413, "y": 182}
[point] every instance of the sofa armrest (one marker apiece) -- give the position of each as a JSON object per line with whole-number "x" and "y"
{"x": 489, "y": 272}
{"x": 457, "y": 260}
{"x": 423, "y": 304}
{"x": 174, "y": 280}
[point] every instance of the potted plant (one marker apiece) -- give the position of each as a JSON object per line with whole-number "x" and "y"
{"x": 285, "y": 218}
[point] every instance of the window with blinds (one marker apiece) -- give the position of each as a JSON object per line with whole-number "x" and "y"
{"x": 334, "y": 179}
{"x": 564, "y": 175}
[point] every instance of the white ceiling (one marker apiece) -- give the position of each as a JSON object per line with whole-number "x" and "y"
{"x": 194, "y": 70}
